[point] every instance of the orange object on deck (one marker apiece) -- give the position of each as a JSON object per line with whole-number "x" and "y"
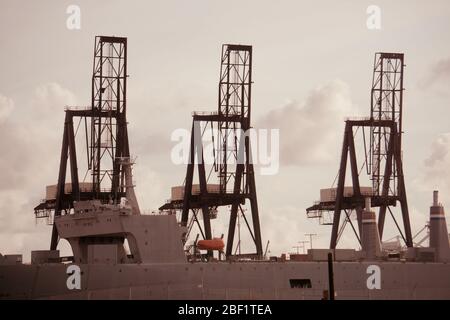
{"x": 213, "y": 244}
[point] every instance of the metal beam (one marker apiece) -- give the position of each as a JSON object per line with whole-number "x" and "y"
{"x": 340, "y": 189}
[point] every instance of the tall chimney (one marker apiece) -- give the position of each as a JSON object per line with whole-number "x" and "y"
{"x": 438, "y": 230}
{"x": 435, "y": 198}
{"x": 370, "y": 238}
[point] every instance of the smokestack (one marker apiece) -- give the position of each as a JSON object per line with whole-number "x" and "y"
{"x": 370, "y": 238}
{"x": 435, "y": 198}
{"x": 438, "y": 230}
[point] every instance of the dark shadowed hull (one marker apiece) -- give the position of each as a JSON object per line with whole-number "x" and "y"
{"x": 222, "y": 280}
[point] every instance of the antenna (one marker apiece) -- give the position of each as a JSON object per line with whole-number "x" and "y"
{"x": 310, "y": 235}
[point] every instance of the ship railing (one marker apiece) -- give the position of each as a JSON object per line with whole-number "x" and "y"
{"x": 357, "y": 118}
{"x": 77, "y": 108}
{"x": 205, "y": 113}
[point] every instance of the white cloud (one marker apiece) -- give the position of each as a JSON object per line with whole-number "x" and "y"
{"x": 310, "y": 131}
{"x": 436, "y": 169}
{"x": 19, "y": 232}
{"x": 52, "y": 97}
{"x": 6, "y": 107}
{"x": 29, "y": 161}
{"x": 438, "y": 76}
{"x": 283, "y": 227}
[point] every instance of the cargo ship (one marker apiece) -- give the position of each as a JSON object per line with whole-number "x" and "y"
{"x": 120, "y": 253}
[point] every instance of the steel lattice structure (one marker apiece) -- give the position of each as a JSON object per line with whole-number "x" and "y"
{"x": 108, "y": 155}
{"x": 386, "y": 104}
{"x": 109, "y": 140}
{"x": 232, "y": 153}
{"x": 383, "y": 155}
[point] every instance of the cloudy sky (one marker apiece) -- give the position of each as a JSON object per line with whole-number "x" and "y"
{"x": 312, "y": 68}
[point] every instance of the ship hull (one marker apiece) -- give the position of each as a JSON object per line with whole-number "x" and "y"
{"x": 227, "y": 281}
